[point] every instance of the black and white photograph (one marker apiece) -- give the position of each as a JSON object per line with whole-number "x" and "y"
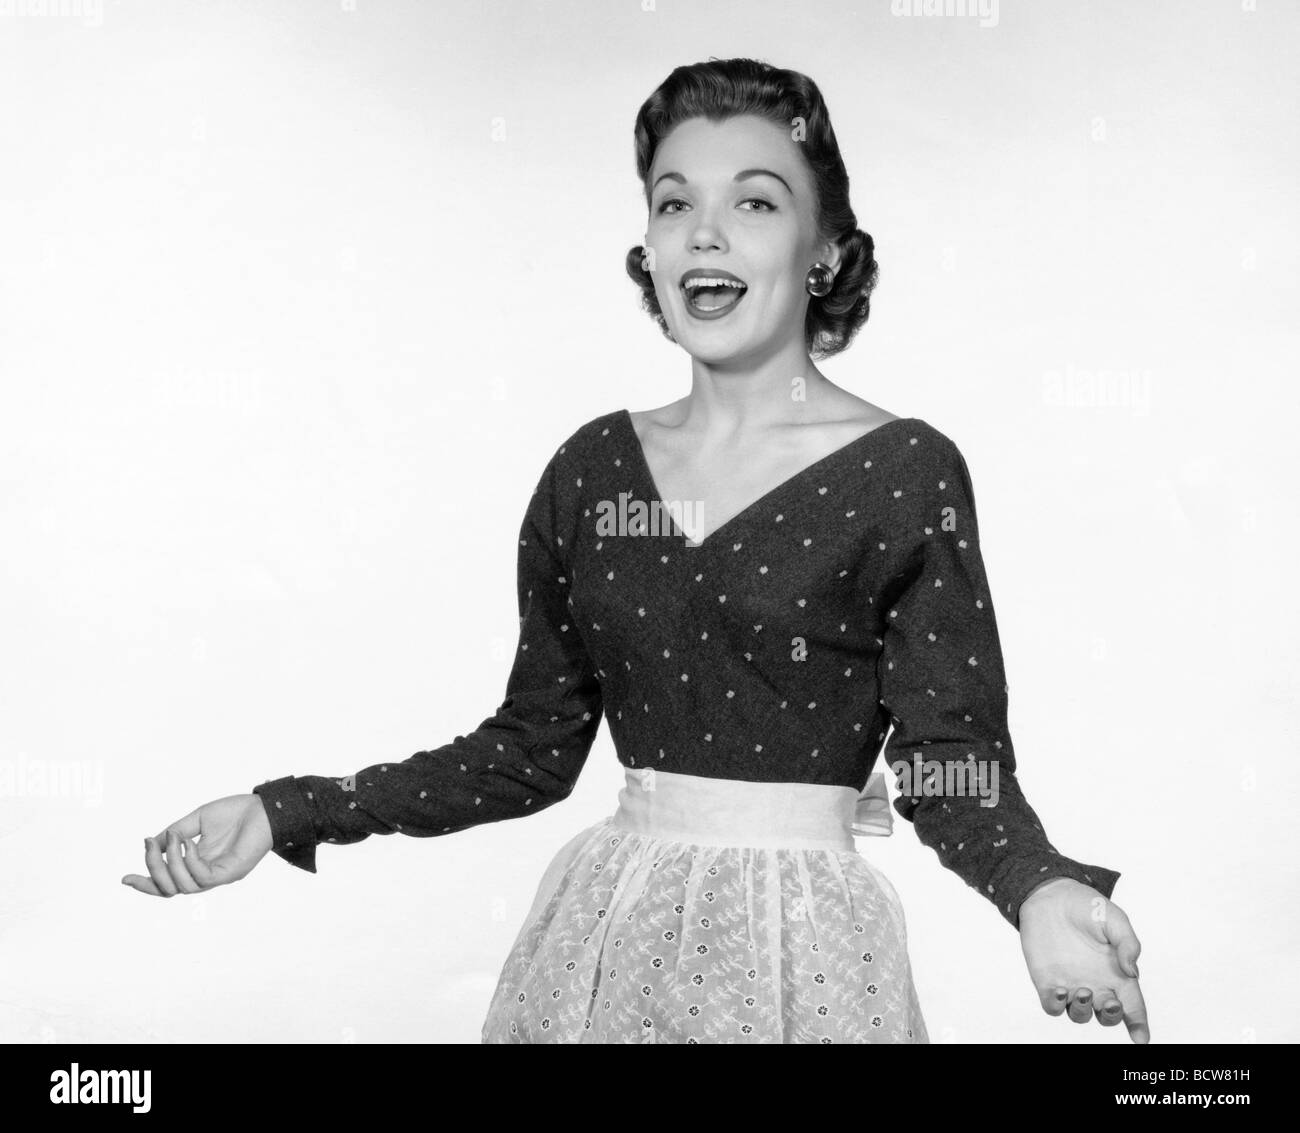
{"x": 647, "y": 522}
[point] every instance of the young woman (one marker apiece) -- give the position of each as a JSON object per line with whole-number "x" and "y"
{"x": 751, "y": 651}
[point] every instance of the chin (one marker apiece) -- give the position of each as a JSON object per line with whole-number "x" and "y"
{"x": 717, "y": 353}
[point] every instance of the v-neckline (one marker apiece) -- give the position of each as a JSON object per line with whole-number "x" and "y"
{"x": 625, "y": 416}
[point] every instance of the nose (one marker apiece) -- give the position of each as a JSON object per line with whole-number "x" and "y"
{"x": 706, "y": 235}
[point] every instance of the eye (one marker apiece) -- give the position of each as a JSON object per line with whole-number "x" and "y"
{"x": 664, "y": 210}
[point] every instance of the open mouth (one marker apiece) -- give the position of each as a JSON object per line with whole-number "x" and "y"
{"x": 712, "y": 294}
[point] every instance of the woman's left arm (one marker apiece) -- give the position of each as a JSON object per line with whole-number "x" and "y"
{"x": 942, "y": 682}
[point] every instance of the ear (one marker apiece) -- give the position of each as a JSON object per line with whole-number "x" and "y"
{"x": 830, "y": 254}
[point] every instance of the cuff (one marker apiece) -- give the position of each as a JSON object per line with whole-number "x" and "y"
{"x": 1023, "y": 879}
{"x": 293, "y": 833}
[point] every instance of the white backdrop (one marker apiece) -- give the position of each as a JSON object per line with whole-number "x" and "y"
{"x": 297, "y": 300}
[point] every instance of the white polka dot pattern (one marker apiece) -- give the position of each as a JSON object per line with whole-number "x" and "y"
{"x": 850, "y": 598}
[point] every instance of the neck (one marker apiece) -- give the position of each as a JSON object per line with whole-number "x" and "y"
{"x": 735, "y": 399}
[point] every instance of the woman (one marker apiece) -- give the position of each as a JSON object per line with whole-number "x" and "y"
{"x": 750, "y": 652}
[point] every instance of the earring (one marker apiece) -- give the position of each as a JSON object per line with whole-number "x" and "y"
{"x": 819, "y": 280}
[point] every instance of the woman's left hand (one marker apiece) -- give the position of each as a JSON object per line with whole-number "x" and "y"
{"x": 1082, "y": 956}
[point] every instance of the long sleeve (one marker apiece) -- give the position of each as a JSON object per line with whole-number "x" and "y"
{"x": 523, "y": 758}
{"x": 943, "y": 685}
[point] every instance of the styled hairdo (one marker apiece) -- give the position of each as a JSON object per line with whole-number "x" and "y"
{"x": 726, "y": 88}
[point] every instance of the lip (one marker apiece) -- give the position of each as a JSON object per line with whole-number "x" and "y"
{"x": 711, "y": 273}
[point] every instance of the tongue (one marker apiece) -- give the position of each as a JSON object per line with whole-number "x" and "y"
{"x": 716, "y": 296}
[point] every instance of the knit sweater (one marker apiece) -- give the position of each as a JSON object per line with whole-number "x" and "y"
{"x": 841, "y": 619}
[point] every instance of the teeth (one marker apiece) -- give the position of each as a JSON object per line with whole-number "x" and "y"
{"x": 701, "y": 281}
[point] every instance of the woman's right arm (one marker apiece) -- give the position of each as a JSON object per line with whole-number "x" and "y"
{"x": 522, "y": 759}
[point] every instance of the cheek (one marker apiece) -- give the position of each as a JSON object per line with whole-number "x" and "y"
{"x": 781, "y": 294}
{"x": 667, "y": 293}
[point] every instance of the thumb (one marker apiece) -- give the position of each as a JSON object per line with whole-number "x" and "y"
{"x": 1120, "y": 933}
{"x": 187, "y": 827}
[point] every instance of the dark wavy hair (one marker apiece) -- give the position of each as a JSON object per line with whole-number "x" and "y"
{"x": 726, "y": 88}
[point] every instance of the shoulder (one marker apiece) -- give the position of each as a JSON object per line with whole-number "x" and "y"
{"x": 577, "y": 447}
{"x": 928, "y": 466}
{"x": 573, "y": 458}
{"x": 582, "y": 438}
{"x": 921, "y": 444}
{"x": 594, "y": 431}
{"x": 554, "y": 508}
{"x": 917, "y": 440}
{"x": 942, "y": 441}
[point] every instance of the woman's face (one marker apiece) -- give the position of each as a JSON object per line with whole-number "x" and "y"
{"x": 733, "y": 199}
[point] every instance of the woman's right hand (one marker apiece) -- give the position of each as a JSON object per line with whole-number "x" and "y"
{"x": 236, "y": 835}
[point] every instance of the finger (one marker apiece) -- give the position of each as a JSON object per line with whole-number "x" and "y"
{"x": 144, "y": 884}
{"x": 1135, "y": 1013}
{"x": 204, "y": 874}
{"x": 1119, "y": 932}
{"x": 153, "y": 860}
{"x": 1081, "y": 1005}
{"x": 1053, "y": 999}
{"x": 187, "y": 827}
{"x": 176, "y": 866}
{"x": 1108, "y": 1007}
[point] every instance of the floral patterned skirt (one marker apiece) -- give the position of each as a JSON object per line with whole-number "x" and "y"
{"x": 711, "y": 911}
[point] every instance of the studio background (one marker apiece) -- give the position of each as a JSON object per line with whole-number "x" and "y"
{"x": 298, "y": 300}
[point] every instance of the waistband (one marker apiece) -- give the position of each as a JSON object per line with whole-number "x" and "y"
{"x": 740, "y": 812}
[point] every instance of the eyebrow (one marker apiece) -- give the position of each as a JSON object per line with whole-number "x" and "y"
{"x": 743, "y": 175}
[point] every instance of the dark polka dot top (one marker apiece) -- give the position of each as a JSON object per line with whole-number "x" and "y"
{"x": 849, "y": 600}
